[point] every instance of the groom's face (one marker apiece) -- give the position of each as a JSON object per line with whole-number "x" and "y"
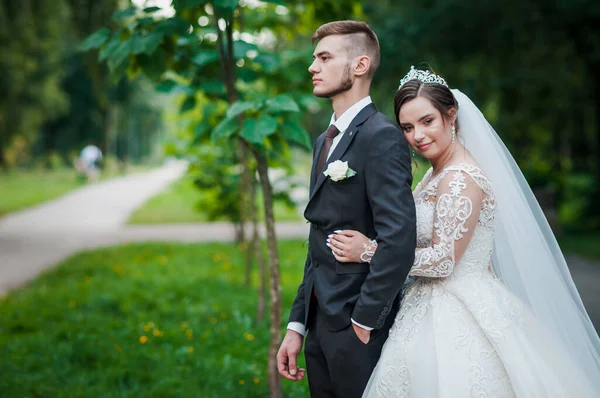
{"x": 331, "y": 68}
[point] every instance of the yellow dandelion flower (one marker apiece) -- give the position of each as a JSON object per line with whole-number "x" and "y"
{"x": 213, "y": 321}
{"x": 249, "y": 336}
{"x": 118, "y": 270}
{"x": 72, "y": 303}
{"x": 163, "y": 260}
{"x": 217, "y": 257}
{"x": 118, "y": 348}
{"x": 183, "y": 325}
{"x": 157, "y": 332}
{"x": 256, "y": 380}
{"x": 143, "y": 339}
{"x": 189, "y": 333}
{"x": 242, "y": 382}
{"x": 226, "y": 267}
{"x": 190, "y": 349}
{"x": 224, "y": 315}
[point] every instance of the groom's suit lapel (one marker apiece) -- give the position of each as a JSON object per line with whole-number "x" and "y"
{"x": 341, "y": 147}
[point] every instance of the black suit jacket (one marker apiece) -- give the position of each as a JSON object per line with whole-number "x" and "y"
{"x": 378, "y": 202}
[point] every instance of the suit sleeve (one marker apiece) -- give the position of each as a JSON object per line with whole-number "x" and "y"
{"x": 388, "y": 181}
{"x": 298, "y": 311}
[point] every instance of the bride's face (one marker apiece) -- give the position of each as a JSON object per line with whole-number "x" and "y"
{"x": 427, "y": 132}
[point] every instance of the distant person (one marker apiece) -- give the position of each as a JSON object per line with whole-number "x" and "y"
{"x": 91, "y": 156}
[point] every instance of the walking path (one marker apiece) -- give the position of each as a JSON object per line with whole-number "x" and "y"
{"x": 35, "y": 239}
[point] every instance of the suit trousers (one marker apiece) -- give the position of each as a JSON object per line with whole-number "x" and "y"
{"x": 338, "y": 363}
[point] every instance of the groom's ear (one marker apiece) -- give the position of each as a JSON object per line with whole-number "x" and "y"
{"x": 363, "y": 65}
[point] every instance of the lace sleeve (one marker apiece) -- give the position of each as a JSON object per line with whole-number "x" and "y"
{"x": 456, "y": 213}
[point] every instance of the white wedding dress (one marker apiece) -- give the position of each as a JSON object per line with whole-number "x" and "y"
{"x": 460, "y": 332}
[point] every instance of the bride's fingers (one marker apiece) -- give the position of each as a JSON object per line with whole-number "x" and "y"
{"x": 340, "y": 259}
{"x": 346, "y": 232}
{"x": 343, "y": 239}
{"x": 336, "y": 245}
{"x": 340, "y": 239}
{"x": 339, "y": 244}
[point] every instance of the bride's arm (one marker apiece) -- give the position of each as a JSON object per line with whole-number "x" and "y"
{"x": 457, "y": 208}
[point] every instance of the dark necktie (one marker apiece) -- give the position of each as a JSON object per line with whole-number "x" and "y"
{"x": 332, "y": 131}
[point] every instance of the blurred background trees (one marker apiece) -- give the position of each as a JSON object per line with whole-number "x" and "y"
{"x": 530, "y": 66}
{"x": 55, "y": 98}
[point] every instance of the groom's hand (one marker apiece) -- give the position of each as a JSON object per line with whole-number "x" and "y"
{"x": 287, "y": 355}
{"x": 362, "y": 334}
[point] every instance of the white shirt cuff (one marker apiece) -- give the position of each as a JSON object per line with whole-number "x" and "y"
{"x": 297, "y": 327}
{"x": 359, "y": 325}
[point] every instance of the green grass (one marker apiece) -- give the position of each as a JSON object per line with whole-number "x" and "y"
{"x": 152, "y": 320}
{"x": 176, "y": 204}
{"x": 583, "y": 245}
{"x": 23, "y": 189}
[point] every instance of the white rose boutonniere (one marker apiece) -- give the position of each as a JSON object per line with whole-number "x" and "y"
{"x": 339, "y": 171}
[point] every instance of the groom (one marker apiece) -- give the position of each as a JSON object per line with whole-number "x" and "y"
{"x": 347, "y": 309}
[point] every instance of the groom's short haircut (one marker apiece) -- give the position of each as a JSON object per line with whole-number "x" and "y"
{"x": 360, "y": 40}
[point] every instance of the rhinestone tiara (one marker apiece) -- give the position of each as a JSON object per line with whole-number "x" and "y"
{"x": 423, "y": 75}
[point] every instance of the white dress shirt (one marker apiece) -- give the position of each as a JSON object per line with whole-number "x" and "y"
{"x": 342, "y": 125}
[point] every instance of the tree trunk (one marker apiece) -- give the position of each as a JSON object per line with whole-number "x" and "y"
{"x": 245, "y": 191}
{"x": 275, "y": 286}
{"x": 258, "y": 252}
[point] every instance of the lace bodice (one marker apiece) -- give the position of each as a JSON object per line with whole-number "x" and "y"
{"x": 455, "y": 223}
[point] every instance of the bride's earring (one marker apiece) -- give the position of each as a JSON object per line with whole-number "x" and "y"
{"x": 453, "y": 133}
{"x": 413, "y": 152}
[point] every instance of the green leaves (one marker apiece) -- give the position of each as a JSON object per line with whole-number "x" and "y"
{"x": 181, "y": 5}
{"x": 282, "y": 103}
{"x": 205, "y": 57}
{"x": 240, "y": 107}
{"x": 294, "y": 133}
{"x": 225, "y": 129}
{"x": 226, "y": 4}
{"x": 145, "y": 44}
{"x": 260, "y": 121}
{"x": 278, "y": 2}
{"x": 188, "y": 104}
{"x": 95, "y": 40}
{"x": 126, "y": 13}
{"x": 173, "y": 25}
{"x": 240, "y": 48}
{"x": 256, "y": 130}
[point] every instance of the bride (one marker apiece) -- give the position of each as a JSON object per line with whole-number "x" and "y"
{"x": 490, "y": 309}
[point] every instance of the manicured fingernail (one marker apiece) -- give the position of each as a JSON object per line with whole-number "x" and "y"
{"x": 329, "y": 236}
{"x": 338, "y": 231}
{"x": 293, "y": 372}
{"x": 328, "y": 245}
{"x": 328, "y": 240}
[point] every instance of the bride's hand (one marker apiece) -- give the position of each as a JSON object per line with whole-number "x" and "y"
{"x": 347, "y": 245}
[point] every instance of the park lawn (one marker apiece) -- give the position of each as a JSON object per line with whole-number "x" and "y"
{"x": 20, "y": 189}
{"x": 144, "y": 320}
{"x": 177, "y": 204}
